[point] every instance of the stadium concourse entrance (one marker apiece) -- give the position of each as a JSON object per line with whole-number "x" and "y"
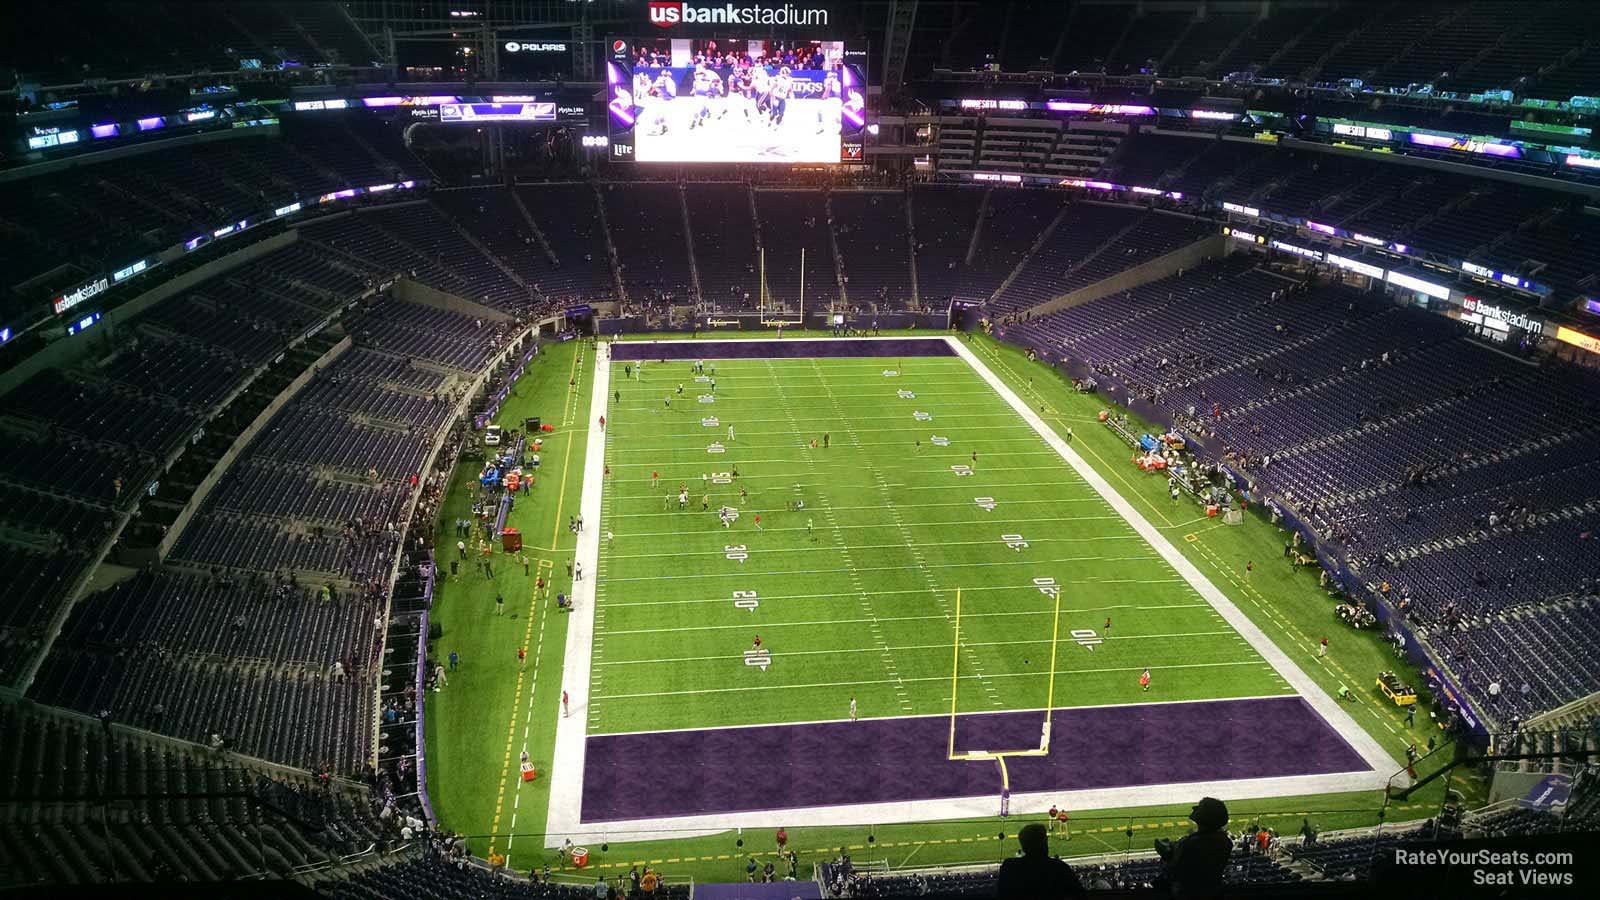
{"x": 822, "y": 320}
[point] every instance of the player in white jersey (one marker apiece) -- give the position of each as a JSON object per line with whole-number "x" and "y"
{"x": 707, "y": 86}
{"x": 741, "y": 93}
{"x": 761, "y": 88}
{"x": 660, "y": 96}
{"x": 782, "y": 87}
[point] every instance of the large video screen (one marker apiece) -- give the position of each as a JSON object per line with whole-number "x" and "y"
{"x": 689, "y": 100}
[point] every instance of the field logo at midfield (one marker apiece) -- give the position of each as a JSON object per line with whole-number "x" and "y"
{"x": 758, "y": 658}
{"x": 987, "y": 504}
{"x": 746, "y": 600}
{"x": 710, "y": 422}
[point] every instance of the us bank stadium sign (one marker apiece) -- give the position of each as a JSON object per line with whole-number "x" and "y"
{"x": 667, "y": 14}
{"x": 1500, "y": 313}
{"x": 79, "y": 294}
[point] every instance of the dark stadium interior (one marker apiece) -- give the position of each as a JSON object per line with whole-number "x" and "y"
{"x": 1350, "y": 249}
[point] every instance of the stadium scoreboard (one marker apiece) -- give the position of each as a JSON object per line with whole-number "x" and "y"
{"x": 735, "y": 100}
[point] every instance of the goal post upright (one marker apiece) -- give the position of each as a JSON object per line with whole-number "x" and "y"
{"x": 1050, "y": 686}
{"x": 1050, "y": 694}
{"x": 955, "y": 673}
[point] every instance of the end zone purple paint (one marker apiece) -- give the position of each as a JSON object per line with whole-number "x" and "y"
{"x": 724, "y": 770}
{"x": 629, "y": 351}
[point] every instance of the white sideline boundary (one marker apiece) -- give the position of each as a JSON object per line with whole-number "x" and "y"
{"x": 566, "y": 761}
{"x": 567, "y": 764}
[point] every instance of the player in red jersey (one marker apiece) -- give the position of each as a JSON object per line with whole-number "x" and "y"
{"x": 1144, "y": 680}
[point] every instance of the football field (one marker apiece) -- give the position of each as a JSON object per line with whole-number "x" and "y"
{"x": 845, "y": 505}
{"x": 922, "y": 482}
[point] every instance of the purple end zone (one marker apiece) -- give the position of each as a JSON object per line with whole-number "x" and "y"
{"x": 628, "y": 351}
{"x": 724, "y": 770}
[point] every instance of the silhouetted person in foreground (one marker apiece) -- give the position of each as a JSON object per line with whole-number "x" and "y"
{"x": 1036, "y": 875}
{"x": 1194, "y": 865}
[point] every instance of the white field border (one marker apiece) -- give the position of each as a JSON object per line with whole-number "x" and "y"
{"x": 567, "y": 764}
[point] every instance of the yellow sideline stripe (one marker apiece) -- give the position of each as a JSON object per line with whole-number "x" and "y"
{"x": 561, "y": 499}
{"x": 511, "y": 730}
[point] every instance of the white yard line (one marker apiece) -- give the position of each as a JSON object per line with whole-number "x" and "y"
{"x": 966, "y": 504}
{"x": 767, "y": 598}
{"x": 944, "y": 716}
{"x": 937, "y": 617}
{"x": 990, "y": 518}
{"x": 744, "y": 689}
{"x": 961, "y": 565}
{"x": 831, "y": 651}
{"x": 914, "y": 547}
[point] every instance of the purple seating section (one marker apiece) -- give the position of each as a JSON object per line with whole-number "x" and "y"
{"x": 320, "y": 487}
{"x": 647, "y": 228}
{"x": 248, "y": 659}
{"x": 874, "y": 246}
{"x": 97, "y": 217}
{"x": 568, "y": 216}
{"x": 724, "y": 232}
{"x": 120, "y": 420}
{"x": 55, "y": 771}
{"x": 419, "y": 240}
{"x": 247, "y": 651}
{"x": 1397, "y": 439}
{"x": 1092, "y": 242}
{"x": 945, "y": 219}
{"x": 792, "y": 221}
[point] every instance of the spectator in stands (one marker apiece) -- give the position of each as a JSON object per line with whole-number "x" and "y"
{"x": 1194, "y": 865}
{"x": 1036, "y": 875}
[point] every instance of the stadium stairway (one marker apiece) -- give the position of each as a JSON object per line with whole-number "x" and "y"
{"x": 688, "y": 240}
{"x": 494, "y": 258}
{"x": 1044, "y": 236}
{"x": 838, "y": 261}
{"x": 611, "y": 247}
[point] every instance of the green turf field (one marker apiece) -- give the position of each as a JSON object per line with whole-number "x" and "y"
{"x": 920, "y": 484}
{"x": 492, "y": 706}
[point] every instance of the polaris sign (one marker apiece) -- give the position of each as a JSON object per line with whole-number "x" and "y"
{"x": 667, "y": 14}
{"x": 525, "y": 47}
